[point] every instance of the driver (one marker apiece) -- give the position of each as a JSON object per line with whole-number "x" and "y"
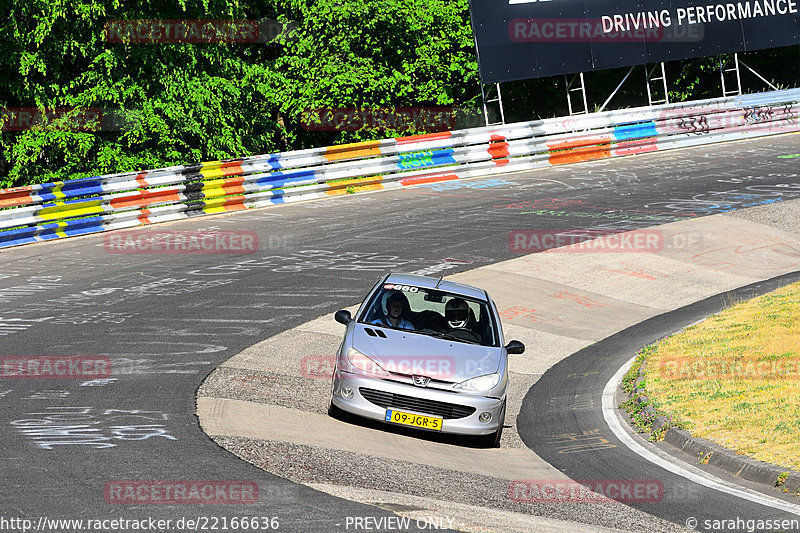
{"x": 456, "y": 313}
{"x": 396, "y": 306}
{"x": 458, "y": 316}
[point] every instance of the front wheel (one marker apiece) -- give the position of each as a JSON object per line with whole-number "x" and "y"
{"x": 335, "y": 412}
{"x": 492, "y": 440}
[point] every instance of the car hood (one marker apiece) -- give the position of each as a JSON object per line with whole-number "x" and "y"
{"x": 409, "y": 353}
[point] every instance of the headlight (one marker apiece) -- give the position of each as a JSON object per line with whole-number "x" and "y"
{"x": 481, "y": 383}
{"x": 364, "y": 364}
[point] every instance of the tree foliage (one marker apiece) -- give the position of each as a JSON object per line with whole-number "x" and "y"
{"x": 187, "y": 102}
{"x": 191, "y": 101}
{"x": 392, "y": 53}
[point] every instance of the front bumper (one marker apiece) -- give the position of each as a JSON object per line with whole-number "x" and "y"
{"x": 469, "y": 425}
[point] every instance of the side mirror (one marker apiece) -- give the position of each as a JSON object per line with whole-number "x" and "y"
{"x": 515, "y": 348}
{"x": 342, "y": 316}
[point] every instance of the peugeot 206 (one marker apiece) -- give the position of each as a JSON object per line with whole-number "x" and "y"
{"x": 425, "y": 353}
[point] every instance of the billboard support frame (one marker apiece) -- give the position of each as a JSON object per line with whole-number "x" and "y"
{"x": 759, "y": 76}
{"x": 722, "y": 70}
{"x": 738, "y": 62}
{"x": 581, "y": 88}
{"x": 648, "y": 73}
{"x": 499, "y": 99}
{"x": 649, "y": 79}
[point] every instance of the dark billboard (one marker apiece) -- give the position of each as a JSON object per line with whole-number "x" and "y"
{"x": 522, "y": 39}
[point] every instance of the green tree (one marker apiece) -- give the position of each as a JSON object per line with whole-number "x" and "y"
{"x": 389, "y": 53}
{"x": 189, "y": 101}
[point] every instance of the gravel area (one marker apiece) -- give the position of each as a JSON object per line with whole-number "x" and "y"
{"x": 311, "y": 465}
{"x": 780, "y": 215}
{"x": 311, "y": 395}
{"x": 267, "y": 387}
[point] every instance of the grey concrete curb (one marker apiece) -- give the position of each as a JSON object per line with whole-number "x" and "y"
{"x": 738, "y": 465}
{"x": 708, "y": 452}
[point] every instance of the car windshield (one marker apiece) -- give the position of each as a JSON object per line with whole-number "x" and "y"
{"x": 431, "y": 312}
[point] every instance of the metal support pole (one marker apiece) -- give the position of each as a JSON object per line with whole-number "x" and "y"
{"x": 614, "y": 92}
{"x": 483, "y": 100}
{"x": 486, "y": 100}
{"x": 500, "y": 104}
{"x": 759, "y": 76}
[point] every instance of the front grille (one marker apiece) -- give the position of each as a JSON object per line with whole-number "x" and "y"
{"x": 431, "y": 407}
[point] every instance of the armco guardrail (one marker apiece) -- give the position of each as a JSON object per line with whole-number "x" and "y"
{"x": 89, "y": 205}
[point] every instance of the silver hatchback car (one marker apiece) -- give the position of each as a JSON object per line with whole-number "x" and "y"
{"x": 425, "y": 353}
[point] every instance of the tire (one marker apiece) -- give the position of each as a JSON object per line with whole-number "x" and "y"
{"x": 491, "y": 440}
{"x": 335, "y": 412}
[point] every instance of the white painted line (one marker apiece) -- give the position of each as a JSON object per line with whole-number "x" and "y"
{"x": 550, "y": 180}
{"x": 667, "y": 462}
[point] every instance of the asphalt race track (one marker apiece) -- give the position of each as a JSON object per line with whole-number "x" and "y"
{"x": 167, "y": 320}
{"x": 583, "y": 376}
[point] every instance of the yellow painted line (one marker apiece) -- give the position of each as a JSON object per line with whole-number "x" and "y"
{"x": 211, "y": 193}
{"x": 221, "y": 205}
{"x": 56, "y": 190}
{"x": 372, "y": 183}
{"x": 213, "y": 204}
{"x": 213, "y": 184}
{"x": 354, "y": 150}
{"x": 61, "y": 233}
{"x": 62, "y": 210}
{"x": 212, "y": 170}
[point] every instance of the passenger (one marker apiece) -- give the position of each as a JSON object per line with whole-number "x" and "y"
{"x": 396, "y": 307}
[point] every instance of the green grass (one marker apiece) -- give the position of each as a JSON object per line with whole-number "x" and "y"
{"x": 735, "y": 378}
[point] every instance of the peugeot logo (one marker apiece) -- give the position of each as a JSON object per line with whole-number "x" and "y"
{"x": 421, "y": 381}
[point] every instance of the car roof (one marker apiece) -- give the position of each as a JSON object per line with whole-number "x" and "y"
{"x": 426, "y": 282}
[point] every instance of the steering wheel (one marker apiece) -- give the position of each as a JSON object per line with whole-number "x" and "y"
{"x": 464, "y": 334}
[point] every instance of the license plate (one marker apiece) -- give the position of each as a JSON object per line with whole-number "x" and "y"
{"x": 418, "y": 421}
